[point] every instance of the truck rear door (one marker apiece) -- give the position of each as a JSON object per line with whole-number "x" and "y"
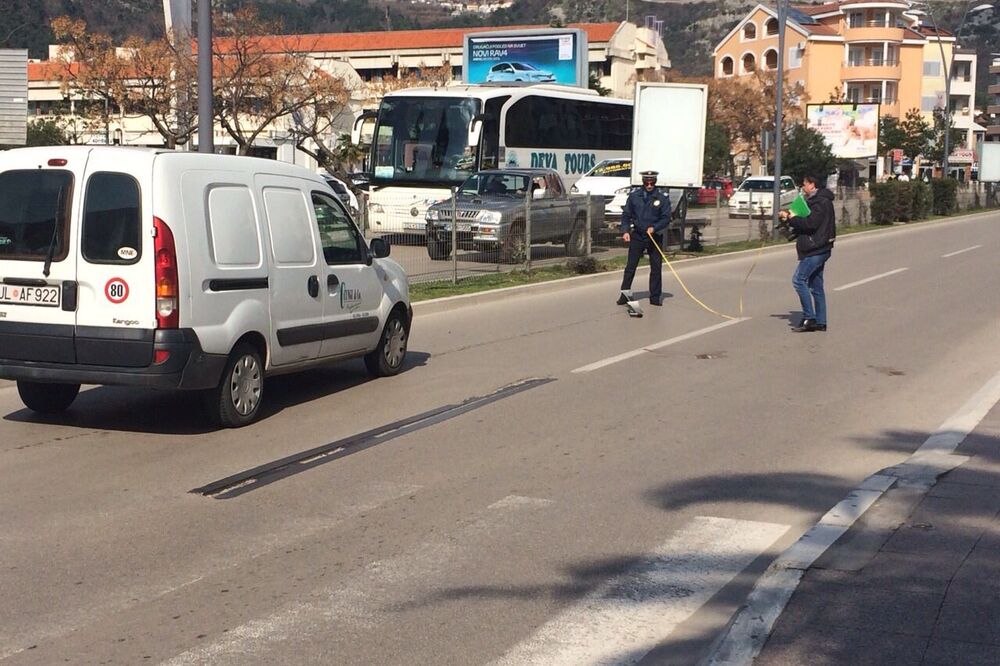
{"x": 38, "y": 294}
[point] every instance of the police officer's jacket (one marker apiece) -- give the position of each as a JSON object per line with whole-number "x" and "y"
{"x": 643, "y": 210}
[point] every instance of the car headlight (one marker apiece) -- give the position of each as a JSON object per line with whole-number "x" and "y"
{"x": 432, "y": 215}
{"x": 376, "y": 208}
{"x": 623, "y": 190}
{"x": 489, "y": 216}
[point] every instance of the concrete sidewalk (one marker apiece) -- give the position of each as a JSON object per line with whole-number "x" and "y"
{"x": 916, "y": 580}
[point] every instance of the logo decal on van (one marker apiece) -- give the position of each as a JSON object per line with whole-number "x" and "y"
{"x": 350, "y": 299}
{"x": 5, "y": 241}
{"x": 128, "y": 253}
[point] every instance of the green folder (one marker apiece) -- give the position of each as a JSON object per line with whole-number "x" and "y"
{"x": 799, "y": 207}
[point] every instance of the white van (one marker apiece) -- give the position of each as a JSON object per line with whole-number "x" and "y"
{"x": 178, "y": 270}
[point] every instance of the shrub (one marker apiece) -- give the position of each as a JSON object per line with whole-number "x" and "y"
{"x": 921, "y": 200}
{"x": 584, "y": 265}
{"x": 892, "y": 201}
{"x": 945, "y": 192}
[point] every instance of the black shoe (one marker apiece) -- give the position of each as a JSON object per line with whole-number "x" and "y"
{"x": 655, "y": 301}
{"x": 807, "y": 326}
{"x": 621, "y": 300}
{"x": 820, "y": 327}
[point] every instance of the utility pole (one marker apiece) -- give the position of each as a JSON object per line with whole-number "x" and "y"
{"x": 779, "y": 113}
{"x": 206, "y": 141}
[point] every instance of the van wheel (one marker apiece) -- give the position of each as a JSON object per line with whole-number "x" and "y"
{"x": 387, "y": 359}
{"x": 236, "y": 401}
{"x": 47, "y": 398}
{"x": 576, "y": 244}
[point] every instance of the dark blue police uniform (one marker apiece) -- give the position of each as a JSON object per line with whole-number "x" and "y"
{"x": 644, "y": 210}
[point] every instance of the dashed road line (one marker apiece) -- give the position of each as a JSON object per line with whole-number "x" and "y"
{"x": 958, "y": 252}
{"x": 870, "y": 279}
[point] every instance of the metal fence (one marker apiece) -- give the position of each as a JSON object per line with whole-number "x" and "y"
{"x": 500, "y": 232}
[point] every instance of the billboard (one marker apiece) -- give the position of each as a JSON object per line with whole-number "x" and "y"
{"x": 989, "y": 163}
{"x": 675, "y": 148}
{"x": 851, "y": 130}
{"x": 526, "y": 56}
{"x": 13, "y": 97}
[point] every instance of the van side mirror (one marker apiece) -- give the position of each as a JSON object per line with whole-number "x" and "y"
{"x": 359, "y": 123}
{"x": 475, "y": 130}
{"x": 379, "y": 248}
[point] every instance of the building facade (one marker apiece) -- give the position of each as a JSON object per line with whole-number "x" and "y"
{"x": 993, "y": 110}
{"x": 618, "y": 55}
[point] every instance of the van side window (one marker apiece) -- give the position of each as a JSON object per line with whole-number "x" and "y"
{"x": 111, "y": 220}
{"x": 292, "y": 240}
{"x": 34, "y": 207}
{"x": 339, "y": 237}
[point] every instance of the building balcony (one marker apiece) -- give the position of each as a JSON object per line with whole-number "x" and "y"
{"x": 871, "y": 70}
{"x": 994, "y": 69}
{"x": 993, "y": 110}
{"x": 963, "y": 87}
{"x": 994, "y": 89}
{"x": 873, "y": 34}
{"x": 993, "y": 130}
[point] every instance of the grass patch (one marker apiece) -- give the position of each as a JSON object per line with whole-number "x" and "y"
{"x": 423, "y": 291}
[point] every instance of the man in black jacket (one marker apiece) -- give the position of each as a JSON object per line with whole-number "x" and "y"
{"x": 814, "y": 237}
{"x": 644, "y": 217}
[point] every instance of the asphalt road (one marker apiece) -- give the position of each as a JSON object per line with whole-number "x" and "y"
{"x": 620, "y": 509}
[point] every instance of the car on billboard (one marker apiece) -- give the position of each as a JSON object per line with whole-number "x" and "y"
{"x": 505, "y": 72}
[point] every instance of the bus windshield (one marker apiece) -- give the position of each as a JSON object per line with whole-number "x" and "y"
{"x": 423, "y": 141}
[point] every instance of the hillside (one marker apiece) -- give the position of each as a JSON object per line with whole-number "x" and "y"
{"x": 690, "y": 29}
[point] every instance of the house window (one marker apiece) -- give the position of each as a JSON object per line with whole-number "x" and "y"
{"x": 771, "y": 27}
{"x": 770, "y": 59}
{"x": 929, "y": 102}
{"x": 932, "y": 68}
{"x": 749, "y": 32}
{"x": 856, "y": 20}
{"x": 727, "y": 66}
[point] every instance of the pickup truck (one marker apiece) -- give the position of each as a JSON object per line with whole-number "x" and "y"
{"x": 491, "y": 207}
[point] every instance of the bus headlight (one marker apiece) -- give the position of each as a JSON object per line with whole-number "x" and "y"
{"x": 489, "y": 216}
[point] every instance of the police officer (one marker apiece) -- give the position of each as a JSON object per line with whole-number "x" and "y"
{"x": 644, "y": 217}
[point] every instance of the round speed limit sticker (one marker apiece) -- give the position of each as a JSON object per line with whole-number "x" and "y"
{"x": 116, "y": 290}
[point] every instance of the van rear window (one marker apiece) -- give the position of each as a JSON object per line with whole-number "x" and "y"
{"x": 34, "y": 207}
{"x": 111, "y": 220}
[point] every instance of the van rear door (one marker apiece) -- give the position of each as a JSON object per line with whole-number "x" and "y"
{"x": 38, "y": 294}
{"x": 116, "y": 320}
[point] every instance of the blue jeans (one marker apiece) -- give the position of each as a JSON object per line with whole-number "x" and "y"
{"x": 808, "y": 283}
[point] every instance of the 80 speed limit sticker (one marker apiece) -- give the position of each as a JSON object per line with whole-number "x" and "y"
{"x": 116, "y": 290}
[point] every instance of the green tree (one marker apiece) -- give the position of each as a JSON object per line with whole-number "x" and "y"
{"x": 595, "y": 84}
{"x": 936, "y": 150}
{"x": 718, "y": 147}
{"x": 45, "y": 133}
{"x": 804, "y": 150}
{"x": 890, "y": 135}
{"x": 918, "y": 134}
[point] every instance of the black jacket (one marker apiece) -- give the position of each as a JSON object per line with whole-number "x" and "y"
{"x": 815, "y": 233}
{"x": 640, "y": 213}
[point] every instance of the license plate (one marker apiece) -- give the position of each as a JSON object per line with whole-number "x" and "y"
{"x": 42, "y": 296}
{"x": 415, "y": 225}
{"x": 465, "y": 226}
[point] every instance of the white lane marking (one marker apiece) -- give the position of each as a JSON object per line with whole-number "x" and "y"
{"x": 957, "y": 252}
{"x": 870, "y": 279}
{"x": 361, "y": 602}
{"x": 631, "y": 614}
{"x": 658, "y": 345}
{"x": 752, "y": 624}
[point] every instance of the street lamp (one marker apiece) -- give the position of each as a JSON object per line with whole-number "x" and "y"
{"x": 924, "y": 9}
{"x": 779, "y": 97}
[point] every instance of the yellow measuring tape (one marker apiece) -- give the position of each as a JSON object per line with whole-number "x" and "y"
{"x": 695, "y": 298}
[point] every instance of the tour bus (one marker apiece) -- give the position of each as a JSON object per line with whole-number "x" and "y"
{"x": 427, "y": 140}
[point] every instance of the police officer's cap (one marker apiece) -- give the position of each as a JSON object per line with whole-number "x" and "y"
{"x": 646, "y": 175}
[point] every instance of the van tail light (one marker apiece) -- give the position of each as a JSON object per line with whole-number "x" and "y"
{"x": 167, "y": 291}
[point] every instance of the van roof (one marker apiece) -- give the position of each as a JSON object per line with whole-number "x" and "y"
{"x": 203, "y": 160}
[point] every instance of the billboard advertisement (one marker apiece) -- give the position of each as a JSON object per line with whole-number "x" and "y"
{"x": 525, "y": 57}
{"x": 851, "y": 130}
{"x": 989, "y": 163}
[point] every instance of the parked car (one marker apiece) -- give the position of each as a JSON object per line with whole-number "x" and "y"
{"x": 610, "y": 180}
{"x": 506, "y": 72}
{"x": 343, "y": 192}
{"x": 712, "y": 190}
{"x": 177, "y": 270}
{"x": 760, "y": 190}
{"x": 490, "y": 206}
{"x": 360, "y": 179}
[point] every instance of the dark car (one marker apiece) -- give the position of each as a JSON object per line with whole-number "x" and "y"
{"x": 713, "y": 189}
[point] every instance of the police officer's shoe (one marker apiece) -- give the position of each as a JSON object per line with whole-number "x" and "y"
{"x": 807, "y": 326}
{"x": 622, "y": 300}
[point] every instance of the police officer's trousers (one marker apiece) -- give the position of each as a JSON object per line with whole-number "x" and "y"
{"x": 637, "y": 246}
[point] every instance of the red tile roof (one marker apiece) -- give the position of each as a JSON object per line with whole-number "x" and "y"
{"x": 49, "y": 70}
{"x": 812, "y": 10}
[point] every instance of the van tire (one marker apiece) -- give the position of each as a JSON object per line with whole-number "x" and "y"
{"x": 236, "y": 401}
{"x": 47, "y": 398}
{"x": 387, "y": 359}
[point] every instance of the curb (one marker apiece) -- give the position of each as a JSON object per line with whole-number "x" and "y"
{"x": 448, "y": 303}
{"x": 751, "y": 626}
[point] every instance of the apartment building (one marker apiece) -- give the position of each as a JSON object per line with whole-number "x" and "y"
{"x": 618, "y": 53}
{"x": 870, "y": 51}
{"x": 993, "y": 110}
